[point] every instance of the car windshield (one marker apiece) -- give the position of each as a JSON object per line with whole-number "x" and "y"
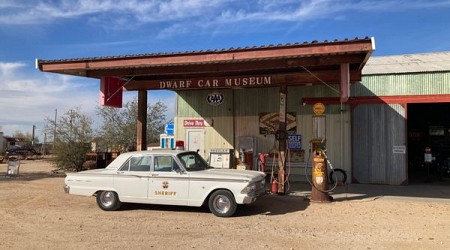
{"x": 193, "y": 161}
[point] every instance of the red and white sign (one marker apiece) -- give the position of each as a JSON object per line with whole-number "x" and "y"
{"x": 189, "y": 123}
{"x": 111, "y": 91}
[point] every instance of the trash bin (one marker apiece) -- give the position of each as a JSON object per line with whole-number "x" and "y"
{"x": 13, "y": 167}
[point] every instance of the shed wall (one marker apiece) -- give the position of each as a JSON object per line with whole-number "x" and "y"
{"x": 375, "y": 132}
{"x": 379, "y": 144}
{"x": 338, "y": 126}
{"x": 249, "y": 103}
{"x": 403, "y": 84}
{"x": 193, "y": 105}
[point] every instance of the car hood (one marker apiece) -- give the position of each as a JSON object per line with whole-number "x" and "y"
{"x": 232, "y": 174}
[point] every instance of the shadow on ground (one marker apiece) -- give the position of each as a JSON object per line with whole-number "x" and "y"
{"x": 26, "y": 171}
{"x": 266, "y": 205}
{"x": 274, "y": 205}
{"x": 438, "y": 190}
{"x": 29, "y": 176}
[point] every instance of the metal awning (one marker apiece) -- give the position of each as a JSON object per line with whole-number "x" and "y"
{"x": 289, "y": 64}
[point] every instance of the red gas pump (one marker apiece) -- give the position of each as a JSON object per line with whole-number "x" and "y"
{"x": 274, "y": 188}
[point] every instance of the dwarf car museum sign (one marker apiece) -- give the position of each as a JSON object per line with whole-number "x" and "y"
{"x": 227, "y": 82}
{"x": 219, "y": 82}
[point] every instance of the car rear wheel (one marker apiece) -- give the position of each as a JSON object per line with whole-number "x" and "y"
{"x": 222, "y": 204}
{"x": 108, "y": 200}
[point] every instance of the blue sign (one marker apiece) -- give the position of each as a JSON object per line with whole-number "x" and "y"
{"x": 169, "y": 129}
{"x": 167, "y": 142}
{"x": 295, "y": 142}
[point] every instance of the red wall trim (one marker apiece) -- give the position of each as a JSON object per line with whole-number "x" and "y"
{"x": 380, "y": 99}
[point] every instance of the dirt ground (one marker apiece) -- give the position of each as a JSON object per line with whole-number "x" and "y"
{"x": 35, "y": 213}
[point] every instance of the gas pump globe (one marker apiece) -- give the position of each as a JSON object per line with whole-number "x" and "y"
{"x": 319, "y": 165}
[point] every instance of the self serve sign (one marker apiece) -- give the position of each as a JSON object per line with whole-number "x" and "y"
{"x": 295, "y": 142}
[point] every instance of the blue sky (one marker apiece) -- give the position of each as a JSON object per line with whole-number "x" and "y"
{"x": 62, "y": 29}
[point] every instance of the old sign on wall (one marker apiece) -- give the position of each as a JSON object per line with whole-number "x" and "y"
{"x": 268, "y": 123}
{"x": 214, "y": 98}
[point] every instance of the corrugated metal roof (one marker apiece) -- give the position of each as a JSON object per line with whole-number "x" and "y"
{"x": 224, "y": 50}
{"x": 409, "y": 63}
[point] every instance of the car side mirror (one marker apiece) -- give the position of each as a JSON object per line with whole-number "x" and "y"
{"x": 177, "y": 169}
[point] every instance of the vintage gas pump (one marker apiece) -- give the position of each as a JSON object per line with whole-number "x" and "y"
{"x": 319, "y": 191}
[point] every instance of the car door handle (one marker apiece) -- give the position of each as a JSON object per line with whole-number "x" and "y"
{"x": 153, "y": 175}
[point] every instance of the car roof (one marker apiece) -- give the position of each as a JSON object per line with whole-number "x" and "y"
{"x": 157, "y": 151}
{"x": 124, "y": 156}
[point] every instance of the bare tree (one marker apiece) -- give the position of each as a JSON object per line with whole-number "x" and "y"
{"x": 156, "y": 120}
{"x": 119, "y": 125}
{"x": 72, "y": 139}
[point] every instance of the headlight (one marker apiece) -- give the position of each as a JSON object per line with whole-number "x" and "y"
{"x": 249, "y": 188}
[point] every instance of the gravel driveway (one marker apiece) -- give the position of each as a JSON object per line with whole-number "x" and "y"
{"x": 35, "y": 213}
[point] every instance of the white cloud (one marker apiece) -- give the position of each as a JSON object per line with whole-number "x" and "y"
{"x": 27, "y": 97}
{"x": 190, "y": 15}
{"x": 144, "y": 11}
{"x": 7, "y": 68}
{"x": 141, "y": 11}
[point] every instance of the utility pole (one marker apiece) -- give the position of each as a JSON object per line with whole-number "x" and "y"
{"x": 43, "y": 145}
{"x": 54, "y": 130}
{"x": 32, "y": 136}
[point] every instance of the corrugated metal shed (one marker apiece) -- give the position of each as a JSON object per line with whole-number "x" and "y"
{"x": 249, "y": 104}
{"x": 379, "y": 130}
{"x": 379, "y": 144}
{"x": 409, "y": 63}
{"x": 426, "y": 83}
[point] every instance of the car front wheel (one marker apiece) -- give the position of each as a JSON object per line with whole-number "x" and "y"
{"x": 222, "y": 204}
{"x": 108, "y": 200}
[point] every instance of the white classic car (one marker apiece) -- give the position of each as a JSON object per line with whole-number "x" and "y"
{"x": 168, "y": 177}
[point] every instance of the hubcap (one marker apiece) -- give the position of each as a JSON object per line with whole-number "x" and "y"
{"x": 107, "y": 199}
{"x": 222, "y": 204}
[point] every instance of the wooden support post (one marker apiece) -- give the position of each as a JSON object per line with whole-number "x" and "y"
{"x": 141, "y": 130}
{"x": 282, "y": 141}
{"x": 345, "y": 82}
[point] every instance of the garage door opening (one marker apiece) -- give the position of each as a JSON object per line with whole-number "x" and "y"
{"x": 429, "y": 126}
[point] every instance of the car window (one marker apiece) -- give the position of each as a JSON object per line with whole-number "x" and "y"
{"x": 193, "y": 161}
{"x": 139, "y": 163}
{"x": 165, "y": 163}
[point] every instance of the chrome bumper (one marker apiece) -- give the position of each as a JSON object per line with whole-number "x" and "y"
{"x": 251, "y": 197}
{"x": 249, "y": 200}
